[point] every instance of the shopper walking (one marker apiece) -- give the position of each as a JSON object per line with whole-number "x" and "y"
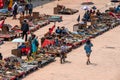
{"x": 14, "y": 9}
{"x": 21, "y": 10}
{"x": 30, "y": 8}
{"x": 24, "y": 29}
{"x": 63, "y": 54}
{"x": 88, "y": 50}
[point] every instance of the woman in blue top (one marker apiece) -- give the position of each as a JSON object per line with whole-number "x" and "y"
{"x": 34, "y": 45}
{"x": 88, "y": 50}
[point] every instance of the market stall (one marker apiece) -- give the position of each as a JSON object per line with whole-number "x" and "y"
{"x": 60, "y": 9}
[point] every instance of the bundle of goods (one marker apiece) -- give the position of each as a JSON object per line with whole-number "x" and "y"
{"x": 99, "y": 24}
{"x": 9, "y": 69}
{"x": 49, "y": 47}
{"x": 52, "y": 50}
{"x": 16, "y": 52}
{"x": 107, "y": 20}
{"x": 5, "y": 12}
{"x": 82, "y": 29}
{"x": 92, "y": 31}
{"x": 70, "y": 39}
{"x": 44, "y": 59}
{"x": 101, "y": 28}
{"x": 73, "y": 42}
{"x": 60, "y": 9}
{"x": 55, "y": 18}
{"x": 2, "y": 17}
{"x": 6, "y": 32}
{"x": 77, "y": 39}
{"x": 20, "y": 66}
{"x": 34, "y": 22}
{"x": 29, "y": 67}
{"x": 56, "y": 50}
{"x": 79, "y": 26}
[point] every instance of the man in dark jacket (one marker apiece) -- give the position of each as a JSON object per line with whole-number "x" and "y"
{"x": 25, "y": 29}
{"x": 30, "y": 8}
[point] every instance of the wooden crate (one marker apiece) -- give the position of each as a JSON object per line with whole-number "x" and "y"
{"x": 36, "y": 14}
{"x": 16, "y": 52}
{"x": 112, "y": 9}
{"x": 75, "y": 27}
{"x": 55, "y": 10}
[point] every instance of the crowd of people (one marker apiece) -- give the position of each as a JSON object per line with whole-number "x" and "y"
{"x": 31, "y": 48}
{"x": 60, "y": 32}
{"x": 58, "y": 41}
{"x": 89, "y": 13}
{"x": 22, "y": 9}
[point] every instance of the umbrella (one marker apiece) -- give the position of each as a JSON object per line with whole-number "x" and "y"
{"x": 85, "y": 7}
{"x": 19, "y": 40}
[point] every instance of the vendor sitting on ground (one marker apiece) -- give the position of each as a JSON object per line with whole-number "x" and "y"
{"x": 63, "y": 31}
{"x": 98, "y": 13}
{"x": 58, "y": 30}
{"x": 22, "y": 46}
{"x": 56, "y": 41}
{"x": 117, "y": 9}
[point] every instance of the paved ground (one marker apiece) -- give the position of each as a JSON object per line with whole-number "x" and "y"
{"x": 105, "y": 56}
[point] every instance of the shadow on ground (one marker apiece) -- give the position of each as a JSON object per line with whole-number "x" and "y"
{"x": 87, "y": 3}
{"x": 93, "y": 64}
{"x": 37, "y": 3}
{"x": 67, "y": 61}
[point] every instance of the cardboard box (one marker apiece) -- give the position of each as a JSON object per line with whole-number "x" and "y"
{"x": 16, "y": 52}
{"x": 36, "y": 14}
